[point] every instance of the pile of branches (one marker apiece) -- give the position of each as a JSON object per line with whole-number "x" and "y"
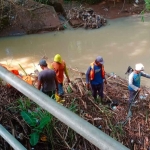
{"x": 110, "y": 115}
{"x": 128, "y": 125}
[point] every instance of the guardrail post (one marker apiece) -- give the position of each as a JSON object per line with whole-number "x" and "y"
{"x": 11, "y": 139}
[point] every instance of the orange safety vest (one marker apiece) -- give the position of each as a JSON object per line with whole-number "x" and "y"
{"x": 92, "y": 71}
{"x": 59, "y": 69}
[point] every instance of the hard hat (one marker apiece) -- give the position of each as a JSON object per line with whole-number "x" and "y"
{"x": 139, "y": 67}
{"x": 57, "y": 58}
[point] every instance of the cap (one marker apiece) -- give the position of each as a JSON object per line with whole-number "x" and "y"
{"x": 57, "y": 58}
{"x": 139, "y": 67}
{"x": 100, "y": 59}
{"x": 42, "y": 62}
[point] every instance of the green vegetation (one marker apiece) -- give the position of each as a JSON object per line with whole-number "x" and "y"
{"x": 41, "y": 124}
{"x": 147, "y": 8}
{"x": 147, "y": 3}
{"x": 73, "y": 107}
{"x": 24, "y": 104}
{"x": 39, "y": 120}
{"x": 43, "y": 1}
{"x": 115, "y": 130}
{"x": 69, "y": 89}
{"x": 23, "y": 69}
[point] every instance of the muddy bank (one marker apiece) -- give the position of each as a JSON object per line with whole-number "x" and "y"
{"x": 26, "y": 17}
{"x": 116, "y": 9}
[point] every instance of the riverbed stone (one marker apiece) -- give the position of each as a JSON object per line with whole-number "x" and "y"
{"x": 33, "y": 17}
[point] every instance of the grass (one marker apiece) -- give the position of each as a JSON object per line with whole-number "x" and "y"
{"x": 115, "y": 130}
{"x": 73, "y": 107}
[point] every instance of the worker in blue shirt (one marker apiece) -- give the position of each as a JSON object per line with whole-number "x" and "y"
{"x": 135, "y": 80}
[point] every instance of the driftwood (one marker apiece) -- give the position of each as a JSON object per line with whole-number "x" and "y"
{"x": 133, "y": 133}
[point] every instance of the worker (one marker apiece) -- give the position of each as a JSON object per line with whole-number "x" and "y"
{"x": 95, "y": 76}
{"x": 59, "y": 66}
{"x": 47, "y": 81}
{"x": 134, "y": 81}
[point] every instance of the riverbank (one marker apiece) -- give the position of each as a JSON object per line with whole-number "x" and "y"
{"x": 116, "y": 9}
{"x": 110, "y": 116}
{"x": 31, "y": 17}
{"x": 27, "y": 17}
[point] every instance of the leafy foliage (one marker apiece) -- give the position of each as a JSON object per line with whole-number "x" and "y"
{"x": 31, "y": 121}
{"x": 73, "y": 107}
{"x": 37, "y": 122}
{"x": 147, "y": 4}
{"x": 24, "y": 104}
{"x": 147, "y": 8}
{"x": 38, "y": 119}
{"x": 34, "y": 138}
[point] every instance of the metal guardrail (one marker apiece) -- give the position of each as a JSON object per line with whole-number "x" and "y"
{"x": 82, "y": 127}
{"x": 10, "y": 139}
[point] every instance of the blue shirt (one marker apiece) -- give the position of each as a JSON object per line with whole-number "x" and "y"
{"x": 135, "y": 80}
{"x": 97, "y": 77}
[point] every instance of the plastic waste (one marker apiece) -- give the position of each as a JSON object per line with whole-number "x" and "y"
{"x": 114, "y": 107}
{"x": 132, "y": 141}
{"x": 143, "y": 97}
{"x": 20, "y": 136}
{"x": 112, "y": 74}
{"x": 100, "y": 127}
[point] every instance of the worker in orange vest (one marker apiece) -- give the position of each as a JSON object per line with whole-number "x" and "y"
{"x": 95, "y": 76}
{"x": 59, "y": 66}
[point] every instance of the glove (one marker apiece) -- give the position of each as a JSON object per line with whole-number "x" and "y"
{"x": 88, "y": 86}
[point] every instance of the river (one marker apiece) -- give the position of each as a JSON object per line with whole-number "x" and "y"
{"x": 122, "y": 42}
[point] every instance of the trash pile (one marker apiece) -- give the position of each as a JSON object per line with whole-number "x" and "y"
{"x": 130, "y": 126}
{"x": 85, "y": 17}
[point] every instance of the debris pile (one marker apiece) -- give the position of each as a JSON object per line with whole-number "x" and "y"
{"x": 85, "y": 17}
{"x": 130, "y": 126}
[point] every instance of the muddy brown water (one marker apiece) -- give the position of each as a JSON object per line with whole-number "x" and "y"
{"x": 122, "y": 42}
